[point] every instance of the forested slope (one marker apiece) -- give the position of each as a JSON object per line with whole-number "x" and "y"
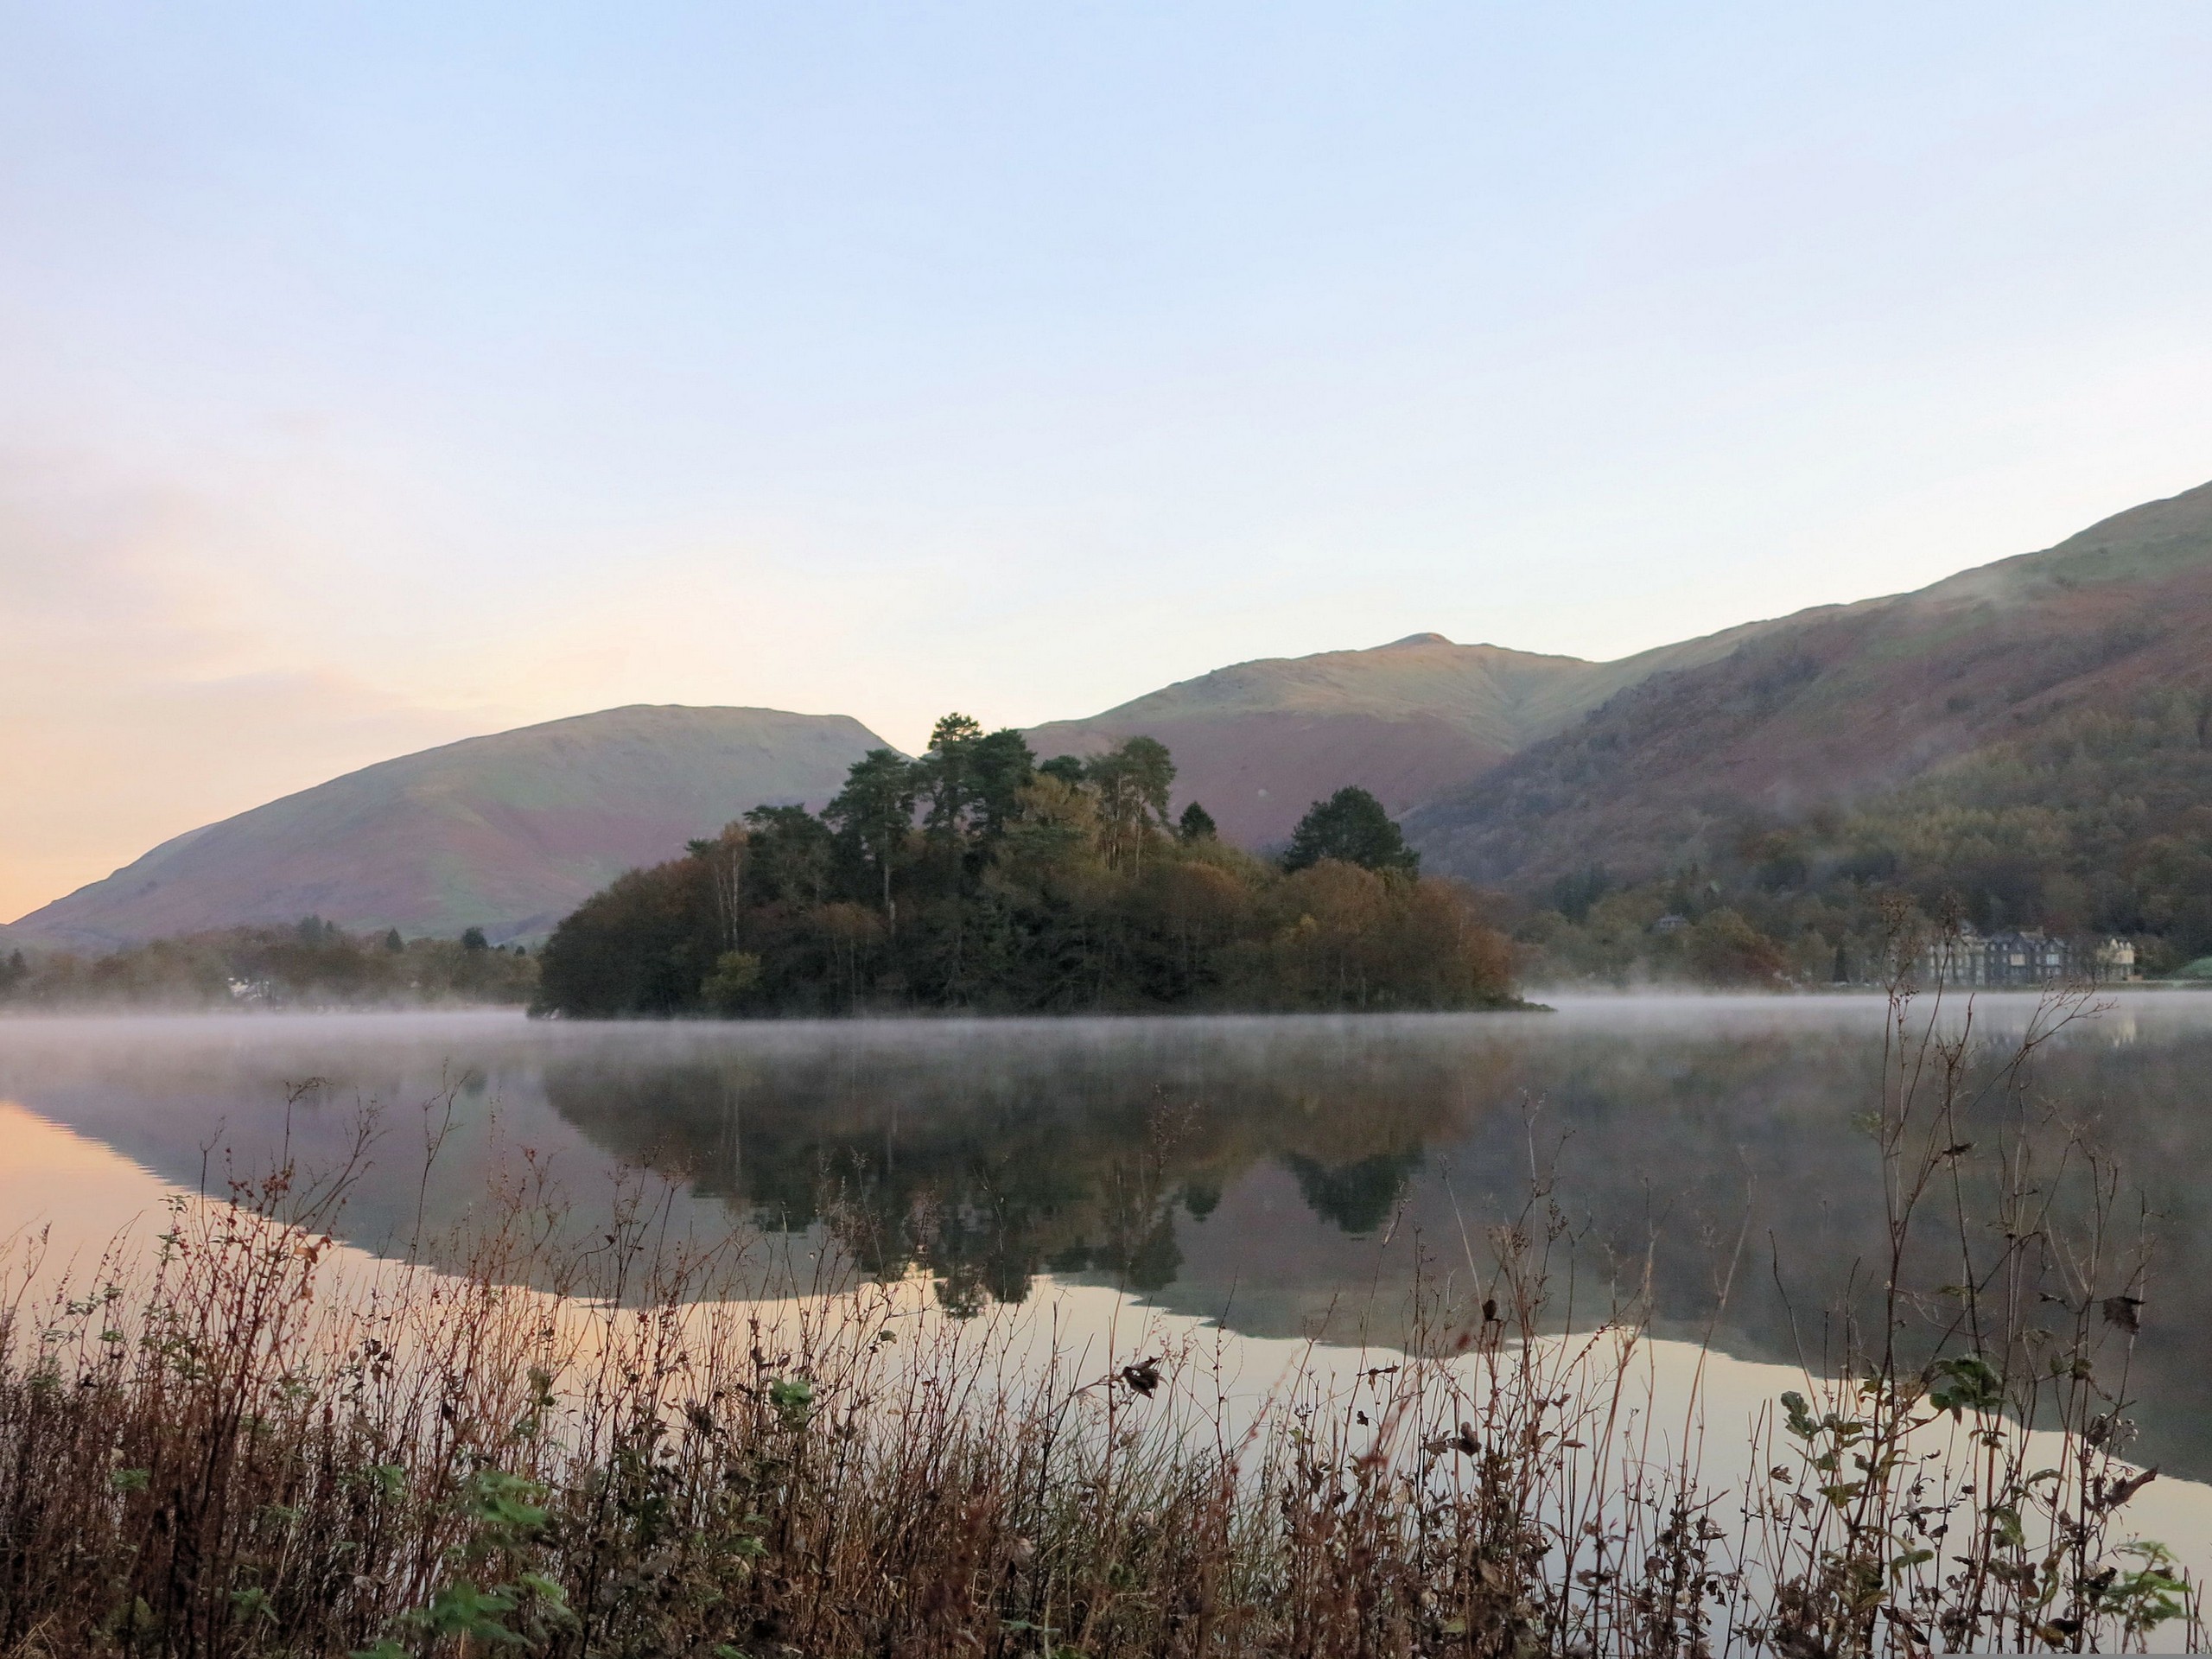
{"x": 2029, "y": 738}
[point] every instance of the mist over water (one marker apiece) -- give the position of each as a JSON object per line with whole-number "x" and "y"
{"x": 1283, "y": 1176}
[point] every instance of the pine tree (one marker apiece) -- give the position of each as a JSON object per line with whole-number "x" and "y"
{"x": 1351, "y": 827}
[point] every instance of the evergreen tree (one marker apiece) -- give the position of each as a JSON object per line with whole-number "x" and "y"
{"x": 1196, "y": 824}
{"x": 393, "y": 941}
{"x": 873, "y": 814}
{"x": 945, "y": 777}
{"x": 1003, "y": 766}
{"x": 1352, "y": 827}
{"x": 972, "y": 782}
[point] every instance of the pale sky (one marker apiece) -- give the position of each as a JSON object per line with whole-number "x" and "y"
{"x": 371, "y": 376}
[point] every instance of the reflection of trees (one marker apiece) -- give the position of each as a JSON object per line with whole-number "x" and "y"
{"x": 987, "y": 1163}
{"x": 985, "y": 1174}
{"x": 1148, "y": 1152}
{"x": 1358, "y": 1196}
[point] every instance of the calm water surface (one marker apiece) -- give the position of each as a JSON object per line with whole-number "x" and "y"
{"x": 1282, "y": 1176}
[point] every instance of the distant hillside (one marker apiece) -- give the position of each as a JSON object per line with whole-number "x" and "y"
{"x": 1259, "y": 742}
{"x": 2032, "y": 735}
{"x": 1824, "y": 716}
{"x": 507, "y": 833}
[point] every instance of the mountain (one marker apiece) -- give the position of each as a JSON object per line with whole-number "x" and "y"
{"x": 2035, "y": 735}
{"x": 1941, "y": 693}
{"x": 1259, "y": 742}
{"x": 507, "y": 832}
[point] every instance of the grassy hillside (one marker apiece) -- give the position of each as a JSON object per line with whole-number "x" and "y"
{"x": 1832, "y": 710}
{"x": 507, "y": 832}
{"x": 1258, "y": 742}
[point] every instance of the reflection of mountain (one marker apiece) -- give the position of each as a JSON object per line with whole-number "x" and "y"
{"x": 1273, "y": 1178}
{"x": 1264, "y": 1173}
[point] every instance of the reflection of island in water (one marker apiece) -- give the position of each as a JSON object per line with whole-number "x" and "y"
{"x": 985, "y": 1168}
{"x": 1281, "y": 1175}
{"x": 1288, "y": 1178}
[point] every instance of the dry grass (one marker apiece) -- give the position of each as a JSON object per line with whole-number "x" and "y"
{"x": 234, "y": 1450}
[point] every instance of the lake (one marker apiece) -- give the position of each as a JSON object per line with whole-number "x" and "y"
{"x": 1283, "y": 1177}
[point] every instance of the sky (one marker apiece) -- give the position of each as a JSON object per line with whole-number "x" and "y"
{"x": 375, "y": 376}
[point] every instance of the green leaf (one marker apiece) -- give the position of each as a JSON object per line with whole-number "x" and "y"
{"x": 794, "y": 1398}
{"x": 252, "y": 1603}
{"x": 1800, "y": 1421}
{"x": 2004, "y": 1522}
{"x": 1964, "y": 1384}
{"x": 461, "y": 1609}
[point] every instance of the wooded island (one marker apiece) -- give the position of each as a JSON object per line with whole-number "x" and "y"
{"x": 974, "y": 878}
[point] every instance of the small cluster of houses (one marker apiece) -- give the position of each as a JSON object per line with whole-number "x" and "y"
{"x": 2030, "y": 956}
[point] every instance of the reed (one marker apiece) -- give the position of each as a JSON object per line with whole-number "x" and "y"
{"x": 253, "y": 1443}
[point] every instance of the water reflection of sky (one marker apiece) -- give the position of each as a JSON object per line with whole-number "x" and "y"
{"x": 1274, "y": 1174}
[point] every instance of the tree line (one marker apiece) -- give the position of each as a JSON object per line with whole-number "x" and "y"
{"x": 2092, "y": 823}
{"x": 975, "y": 877}
{"x": 308, "y": 963}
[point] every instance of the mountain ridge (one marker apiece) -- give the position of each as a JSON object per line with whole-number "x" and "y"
{"x": 1836, "y": 707}
{"x": 504, "y": 832}
{"x": 1508, "y": 766}
{"x": 1257, "y": 742}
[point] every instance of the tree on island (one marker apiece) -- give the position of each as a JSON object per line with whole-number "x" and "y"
{"x": 1352, "y": 827}
{"x": 873, "y": 814}
{"x": 1131, "y": 783}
